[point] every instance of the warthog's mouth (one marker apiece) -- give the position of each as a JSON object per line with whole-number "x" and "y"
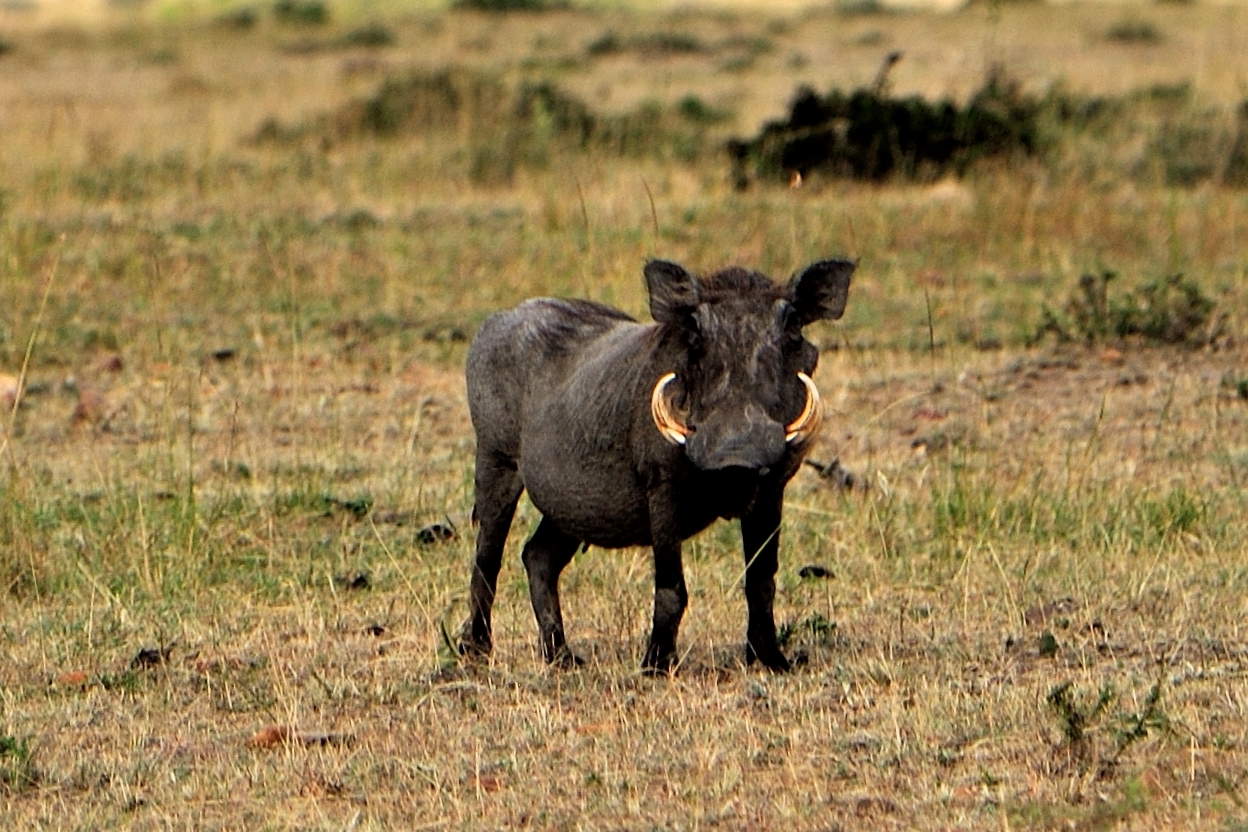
{"x": 672, "y": 427}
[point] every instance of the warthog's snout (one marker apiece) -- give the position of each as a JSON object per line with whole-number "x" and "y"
{"x": 751, "y": 440}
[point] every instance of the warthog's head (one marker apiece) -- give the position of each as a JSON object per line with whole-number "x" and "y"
{"x": 737, "y": 389}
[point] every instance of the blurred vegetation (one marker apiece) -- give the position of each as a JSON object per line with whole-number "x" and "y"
{"x": 507, "y": 127}
{"x": 1172, "y": 310}
{"x": 1134, "y": 32}
{"x": 869, "y": 134}
{"x": 501, "y": 6}
{"x": 302, "y": 12}
{"x": 1162, "y": 135}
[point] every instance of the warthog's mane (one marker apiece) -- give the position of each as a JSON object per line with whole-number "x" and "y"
{"x": 561, "y": 325}
{"x": 738, "y": 282}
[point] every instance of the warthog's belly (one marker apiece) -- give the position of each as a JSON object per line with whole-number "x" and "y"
{"x": 600, "y": 503}
{"x": 616, "y": 513}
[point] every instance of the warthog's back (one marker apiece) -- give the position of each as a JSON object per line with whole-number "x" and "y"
{"x": 527, "y": 351}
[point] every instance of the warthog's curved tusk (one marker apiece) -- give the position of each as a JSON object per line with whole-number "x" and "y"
{"x": 669, "y": 424}
{"x": 674, "y": 430}
{"x": 811, "y": 416}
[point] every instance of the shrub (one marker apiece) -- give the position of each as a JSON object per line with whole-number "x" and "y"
{"x": 1160, "y": 135}
{"x": 17, "y": 769}
{"x": 653, "y": 44}
{"x": 1133, "y": 32}
{"x": 693, "y": 109}
{"x": 1236, "y": 170}
{"x": 301, "y": 12}
{"x": 870, "y": 135}
{"x": 242, "y": 18}
{"x": 608, "y": 43}
{"x": 1171, "y": 310}
{"x": 505, "y": 127}
{"x": 373, "y": 35}
{"x": 510, "y": 5}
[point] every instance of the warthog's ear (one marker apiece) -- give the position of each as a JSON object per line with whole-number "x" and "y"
{"x": 673, "y": 291}
{"x": 819, "y": 292}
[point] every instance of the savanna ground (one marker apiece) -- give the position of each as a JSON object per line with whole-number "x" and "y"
{"x": 237, "y": 310}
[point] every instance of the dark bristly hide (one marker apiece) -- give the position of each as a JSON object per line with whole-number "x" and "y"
{"x": 631, "y": 434}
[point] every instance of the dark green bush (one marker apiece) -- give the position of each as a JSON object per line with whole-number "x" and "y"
{"x": 510, "y": 5}
{"x": 651, "y": 43}
{"x": 1133, "y": 32}
{"x": 505, "y": 127}
{"x": 693, "y": 109}
{"x": 244, "y": 17}
{"x": 608, "y": 43}
{"x": 868, "y": 134}
{"x": 1235, "y": 173}
{"x": 372, "y": 35}
{"x": 1171, "y": 310}
{"x": 301, "y": 12}
{"x": 17, "y": 769}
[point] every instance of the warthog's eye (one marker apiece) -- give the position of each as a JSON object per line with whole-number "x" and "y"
{"x": 696, "y": 323}
{"x": 788, "y": 326}
{"x": 693, "y": 339}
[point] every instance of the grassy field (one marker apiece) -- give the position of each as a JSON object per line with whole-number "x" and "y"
{"x": 233, "y": 313}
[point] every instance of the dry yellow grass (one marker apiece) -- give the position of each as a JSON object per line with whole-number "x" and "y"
{"x": 245, "y": 400}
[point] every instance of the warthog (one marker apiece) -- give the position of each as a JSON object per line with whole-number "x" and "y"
{"x": 631, "y": 434}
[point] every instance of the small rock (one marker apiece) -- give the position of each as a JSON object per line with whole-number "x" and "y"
{"x": 1094, "y": 627}
{"x": 1051, "y": 611}
{"x": 754, "y": 691}
{"x": 110, "y": 363}
{"x": 392, "y": 517}
{"x": 274, "y": 735}
{"x": 931, "y": 414}
{"x": 150, "y": 657}
{"x": 436, "y": 533}
{"x": 73, "y": 679}
{"x": 1110, "y": 355}
{"x": 354, "y": 580}
{"x": 866, "y": 806}
{"x": 836, "y": 475}
{"x": 92, "y": 407}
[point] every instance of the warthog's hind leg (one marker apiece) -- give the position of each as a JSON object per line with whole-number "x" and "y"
{"x": 545, "y": 555}
{"x": 498, "y": 488}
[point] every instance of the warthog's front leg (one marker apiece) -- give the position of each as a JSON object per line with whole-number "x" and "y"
{"x": 545, "y": 555}
{"x": 670, "y": 595}
{"x": 498, "y": 489}
{"x": 760, "y": 538}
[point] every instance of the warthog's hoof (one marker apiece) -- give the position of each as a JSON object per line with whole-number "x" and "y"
{"x": 565, "y": 659}
{"x": 771, "y": 659}
{"x": 659, "y": 662}
{"x": 474, "y": 647}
